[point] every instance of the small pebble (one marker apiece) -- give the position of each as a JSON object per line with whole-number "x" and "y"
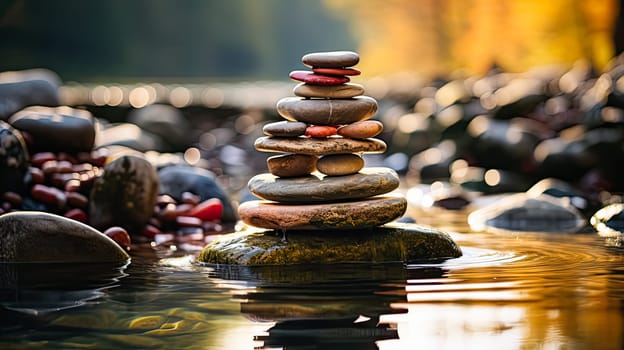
{"x": 208, "y": 210}
{"x": 292, "y": 165}
{"x": 285, "y": 129}
{"x": 119, "y": 235}
{"x": 76, "y": 214}
{"x": 320, "y": 131}
{"x": 340, "y": 164}
{"x": 361, "y": 130}
{"x": 48, "y": 195}
{"x": 317, "y": 79}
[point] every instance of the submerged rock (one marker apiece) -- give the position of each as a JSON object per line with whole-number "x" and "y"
{"x": 524, "y": 213}
{"x": 389, "y": 243}
{"x": 42, "y": 237}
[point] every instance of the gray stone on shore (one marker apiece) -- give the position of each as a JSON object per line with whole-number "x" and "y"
{"x": 318, "y": 188}
{"x": 406, "y": 243}
{"x": 29, "y": 236}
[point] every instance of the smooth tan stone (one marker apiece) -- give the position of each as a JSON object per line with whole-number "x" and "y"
{"x": 318, "y": 188}
{"x": 327, "y": 111}
{"x": 285, "y": 129}
{"x": 290, "y": 165}
{"x": 361, "y": 130}
{"x": 365, "y": 213}
{"x": 330, "y": 145}
{"x": 331, "y": 59}
{"x": 340, "y": 164}
{"x": 347, "y": 90}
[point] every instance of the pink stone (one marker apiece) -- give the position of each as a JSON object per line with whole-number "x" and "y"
{"x": 336, "y": 71}
{"x": 317, "y": 79}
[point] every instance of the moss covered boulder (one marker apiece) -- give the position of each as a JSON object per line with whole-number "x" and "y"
{"x": 389, "y": 243}
{"x": 42, "y": 237}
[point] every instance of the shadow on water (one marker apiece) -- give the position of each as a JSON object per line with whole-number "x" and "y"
{"x": 326, "y": 306}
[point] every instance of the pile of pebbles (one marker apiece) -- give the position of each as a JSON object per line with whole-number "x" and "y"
{"x": 49, "y": 162}
{"x": 319, "y": 179}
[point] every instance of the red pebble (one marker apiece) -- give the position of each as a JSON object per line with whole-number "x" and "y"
{"x": 36, "y": 175}
{"x": 120, "y": 236}
{"x": 76, "y": 214}
{"x": 82, "y": 167}
{"x": 14, "y": 198}
{"x": 72, "y": 185}
{"x": 49, "y": 166}
{"x": 188, "y": 221}
{"x": 64, "y": 166}
{"x": 76, "y": 200}
{"x": 150, "y": 231}
{"x": 67, "y": 157}
{"x": 336, "y": 71}
{"x": 172, "y": 211}
{"x": 208, "y": 210}
{"x": 38, "y": 159}
{"x": 320, "y": 130}
{"x": 48, "y": 195}
{"x": 317, "y": 79}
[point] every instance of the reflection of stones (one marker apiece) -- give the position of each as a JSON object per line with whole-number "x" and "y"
{"x": 319, "y": 188}
{"x": 523, "y": 213}
{"x": 57, "y": 129}
{"x": 177, "y": 179}
{"x": 363, "y": 213}
{"x": 13, "y": 159}
{"x": 36, "y": 289}
{"x": 125, "y": 194}
{"x": 390, "y": 243}
{"x": 43, "y": 237}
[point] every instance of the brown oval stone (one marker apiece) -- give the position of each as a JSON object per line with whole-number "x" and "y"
{"x": 340, "y": 164}
{"x": 285, "y": 129}
{"x": 330, "y": 145}
{"x": 347, "y": 90}
{"x": 369, "y": 212}
{"x": 331, "y": 59}
{"x": 292, "y": 165}
{"x": 327, "y": 111}
{"x": 361, "y": 130}
{"x": 318, "y": 188}
{"x": 317, "y": 79}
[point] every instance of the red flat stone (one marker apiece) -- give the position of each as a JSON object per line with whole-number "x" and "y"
{"x": 336, "y": 71}
{"x": 317, "y": 79}
{"x": 320, "y": 131}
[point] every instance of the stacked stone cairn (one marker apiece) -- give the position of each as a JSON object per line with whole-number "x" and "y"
{"x": 318, "y": 181}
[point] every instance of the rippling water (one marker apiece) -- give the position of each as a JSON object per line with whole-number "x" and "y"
{"x": 512, "y": 291}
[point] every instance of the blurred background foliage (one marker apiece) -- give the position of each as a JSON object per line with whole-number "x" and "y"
{"x": 250, "y": 39}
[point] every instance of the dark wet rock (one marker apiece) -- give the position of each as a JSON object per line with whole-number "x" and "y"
{"x": 28, "y": 236}
{"x": 33, "y": 87}
{"x": 57, "y": 129}
{"x": 166, "y": 122}
{"x": 390, "y": 243}
{"x": 124, "y": 195}
{"x": 562, "y": 189}
{"x": 13, "y": 159}
{"x": 522, "y": 213}
{"x": 609, "y": 220}
{"x": 175, "y": 180}
{"x": 131, "y": 136}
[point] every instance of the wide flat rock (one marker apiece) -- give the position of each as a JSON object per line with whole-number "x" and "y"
{"x": 323, "y": 111}
{"x": 318, "y": 146}
{"x": 320, "y": 188}
{"x": 42, "y": 237}
{"x": 404, "y": 243}
{"x": 364, "y": 213}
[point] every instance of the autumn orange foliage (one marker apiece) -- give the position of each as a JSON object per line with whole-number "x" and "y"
{"x": 441, "y": 36}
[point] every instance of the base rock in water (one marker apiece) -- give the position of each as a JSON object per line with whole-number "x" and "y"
{"x": 388, "y": 243}
{"x": 42, "y": 237}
